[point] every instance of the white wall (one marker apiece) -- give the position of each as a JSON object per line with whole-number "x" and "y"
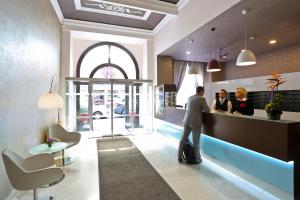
{"x": 29, "y": 55}
{"x": 256, "y": 84}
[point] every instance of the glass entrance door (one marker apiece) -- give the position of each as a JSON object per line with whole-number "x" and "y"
{"x": 100, "y": 108}
{"x": 109, "y": 107}
{"x": 122, "y": 106}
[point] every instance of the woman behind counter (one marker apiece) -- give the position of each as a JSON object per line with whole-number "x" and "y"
{"x": 241, "y": 106}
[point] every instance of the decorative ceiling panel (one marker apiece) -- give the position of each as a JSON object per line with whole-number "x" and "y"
{"x": 106, "y": 12}
{"x": 105, "y": 7}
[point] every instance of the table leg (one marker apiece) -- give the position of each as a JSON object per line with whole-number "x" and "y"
{"x": 63, "y": 161}
{"x": 63, "y": 156}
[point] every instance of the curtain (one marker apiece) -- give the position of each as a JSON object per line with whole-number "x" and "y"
{"x": 179, "y": 72}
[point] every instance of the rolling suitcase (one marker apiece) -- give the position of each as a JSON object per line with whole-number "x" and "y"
{"x": 188, "y": 153}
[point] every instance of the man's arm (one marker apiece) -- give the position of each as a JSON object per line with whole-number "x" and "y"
{"x": 205, "y": 106}
{"x": 213, "y": 106}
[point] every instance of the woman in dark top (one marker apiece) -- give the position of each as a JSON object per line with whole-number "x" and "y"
{"x": 241, "y": 106}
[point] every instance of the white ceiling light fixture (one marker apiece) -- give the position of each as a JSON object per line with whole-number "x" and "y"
{"x": 246, "y": 57}
{"x": 272, "y": 41}
{"x": 192, "y": 69}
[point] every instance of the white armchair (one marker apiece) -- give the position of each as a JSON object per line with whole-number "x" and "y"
{"x": 71, "y": 138}
{"x": 31, "y": 173}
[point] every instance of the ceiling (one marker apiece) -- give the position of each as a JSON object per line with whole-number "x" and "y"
{"x": 266, "y": 20}
{"x": 109, "y": 12}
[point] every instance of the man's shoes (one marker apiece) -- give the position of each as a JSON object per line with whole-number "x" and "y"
{"x": 180, "y": 160}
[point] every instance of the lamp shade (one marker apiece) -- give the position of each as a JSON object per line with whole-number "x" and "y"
{"x": 213, "y": 66}
{"x": 50, "y": 100}
{"x": 193, "y": 69}
{"x": 245, "y": 58}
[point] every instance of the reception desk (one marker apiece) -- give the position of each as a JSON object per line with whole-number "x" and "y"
{"x": 277, "y": 139}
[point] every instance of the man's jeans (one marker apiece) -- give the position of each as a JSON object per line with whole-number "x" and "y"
{"x": 196, "y": 136}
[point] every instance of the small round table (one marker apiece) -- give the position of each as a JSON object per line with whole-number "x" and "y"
{"x": 56, "y": 147}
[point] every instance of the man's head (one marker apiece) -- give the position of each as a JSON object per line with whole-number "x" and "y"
{"x": 200, "y": 90}
{"x": 222, "y": 93}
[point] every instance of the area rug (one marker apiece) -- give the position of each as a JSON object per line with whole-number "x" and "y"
{"x": 125, "y": 174}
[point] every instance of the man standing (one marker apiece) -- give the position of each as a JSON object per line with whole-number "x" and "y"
{"x": 193, "y": 122}
{"x": 221, "y": 104}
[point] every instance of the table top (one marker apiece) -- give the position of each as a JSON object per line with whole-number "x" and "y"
{"x": 43, "y": 148}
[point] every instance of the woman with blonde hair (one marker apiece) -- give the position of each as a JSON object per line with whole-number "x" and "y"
{"x": 241, "y": 106}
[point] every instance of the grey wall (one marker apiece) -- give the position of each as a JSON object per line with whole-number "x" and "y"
{"x": 30, "y": 37}
{"x": 285, "y": 60}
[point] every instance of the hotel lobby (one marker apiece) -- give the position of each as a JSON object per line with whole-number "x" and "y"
{"x": 95, "y": 93}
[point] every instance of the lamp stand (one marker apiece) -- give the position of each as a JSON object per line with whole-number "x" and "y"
{"x": 58, "y": 118}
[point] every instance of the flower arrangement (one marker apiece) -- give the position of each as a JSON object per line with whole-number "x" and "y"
{"x": 50, "y": 141}
{"x": 274, "y": 107}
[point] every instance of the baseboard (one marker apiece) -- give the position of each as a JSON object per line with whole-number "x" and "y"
{"x": 12, "y": 195}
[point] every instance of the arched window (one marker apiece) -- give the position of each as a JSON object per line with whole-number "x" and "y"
{"x": 107, "y": 60}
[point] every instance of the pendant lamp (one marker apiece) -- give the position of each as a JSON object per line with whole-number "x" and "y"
{"x": 246, "y": 57}
{"x": 192, "y": 69}
{"x": 213, "y": 65}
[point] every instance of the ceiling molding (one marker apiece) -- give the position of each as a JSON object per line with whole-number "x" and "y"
{"x": 96, "y": 27}
{"x": 57, "y": 10}
{"x": 167, "y": 18}
{"x": 182, "y": 3}
{"x": 157, "y": 6}
{"x": 161, "y": 24}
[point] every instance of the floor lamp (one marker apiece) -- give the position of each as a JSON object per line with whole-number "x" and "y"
{"x": 51, "y": 100}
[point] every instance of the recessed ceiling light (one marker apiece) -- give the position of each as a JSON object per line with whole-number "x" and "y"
{"x": 188, "y": 52}
{"x": 272, "y": 41}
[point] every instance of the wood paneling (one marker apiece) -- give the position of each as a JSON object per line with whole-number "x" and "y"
{"x": 165, "y": 71}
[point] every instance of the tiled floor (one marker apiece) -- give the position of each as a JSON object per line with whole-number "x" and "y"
{"x": 194, "y": 182}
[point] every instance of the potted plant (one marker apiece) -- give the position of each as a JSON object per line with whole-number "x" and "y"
{"x": 274, "y": 107}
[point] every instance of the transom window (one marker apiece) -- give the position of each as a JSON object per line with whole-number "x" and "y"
{"x": 107, "y": 60}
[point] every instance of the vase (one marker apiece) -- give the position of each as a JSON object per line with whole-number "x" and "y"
{"x": 49, "y": 145}
{"x": 273, "y": 116}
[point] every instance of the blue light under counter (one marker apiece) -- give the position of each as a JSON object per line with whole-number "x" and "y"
{"x": 273, "y": 171}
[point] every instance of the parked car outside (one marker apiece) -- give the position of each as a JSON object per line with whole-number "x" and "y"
{"x": 120, "y": 111}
